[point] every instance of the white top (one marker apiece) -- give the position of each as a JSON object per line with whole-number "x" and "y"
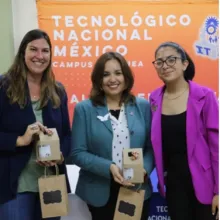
{"x": 121, "y": 136}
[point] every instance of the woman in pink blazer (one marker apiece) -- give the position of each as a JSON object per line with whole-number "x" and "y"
{"x": 185, "y": 137}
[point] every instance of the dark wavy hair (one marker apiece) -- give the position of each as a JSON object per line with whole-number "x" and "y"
{"x": 189, "y": 73}
{"x": 97, "y": 95}
{"x": 15, "y": 80}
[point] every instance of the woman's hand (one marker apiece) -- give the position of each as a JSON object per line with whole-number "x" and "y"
{"x": 27, "y": 138}
{"x": 33, "y": 129}
{"x": 118, "y": 177}
{"x": 44, "y": 129}
{"x": 215, "y": 204}
{"x": 52, "y": 162}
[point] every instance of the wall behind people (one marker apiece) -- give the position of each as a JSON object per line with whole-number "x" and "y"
{"x": 6, "y": 36}
{"x": 24, "y": 19}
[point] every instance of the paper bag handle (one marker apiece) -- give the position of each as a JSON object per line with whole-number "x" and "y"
{"x": 46, "y": 168}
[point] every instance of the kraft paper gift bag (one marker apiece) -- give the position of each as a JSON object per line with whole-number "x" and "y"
{"x": 53, "y": 195}
{"x": 133, "y": 165}
{"x": 129, "y": 204}
{"x": 48, "y": 146}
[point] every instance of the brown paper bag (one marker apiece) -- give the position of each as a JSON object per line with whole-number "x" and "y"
{"x": 48, "y": 146}
{"x": 53, "y": 195}
{"x": 129, "y": 204}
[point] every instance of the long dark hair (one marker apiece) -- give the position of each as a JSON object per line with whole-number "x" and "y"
{"x": 189, "y": 73}
{"x": 97, "y": 95}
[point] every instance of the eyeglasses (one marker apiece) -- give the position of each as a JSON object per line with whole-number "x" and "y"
{"x": 170, "y": 61}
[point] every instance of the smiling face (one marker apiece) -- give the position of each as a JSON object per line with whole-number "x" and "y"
{"x": 173, "y": 69}
{"x": 113, "y": 83}
{"x": 37, "y": 56}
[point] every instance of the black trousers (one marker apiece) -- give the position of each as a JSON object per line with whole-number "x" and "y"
{"x": 107, "y": 212}
{"x": 182, "y": 202}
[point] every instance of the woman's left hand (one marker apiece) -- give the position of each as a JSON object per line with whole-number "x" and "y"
{"x": 215, "y": 204}
{"x": 52, "y": 162}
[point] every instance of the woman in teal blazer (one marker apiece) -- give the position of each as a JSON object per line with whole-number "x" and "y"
{"x": 112, "y": 119}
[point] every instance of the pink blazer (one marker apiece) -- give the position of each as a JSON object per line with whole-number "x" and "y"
{"x": 202, "y": 140}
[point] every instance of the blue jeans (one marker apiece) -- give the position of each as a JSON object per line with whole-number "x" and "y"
{"x": 26, "y": 206}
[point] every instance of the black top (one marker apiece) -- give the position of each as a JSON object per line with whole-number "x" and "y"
{"x": 174, "y": 144}
{"x": 115, "y": 113}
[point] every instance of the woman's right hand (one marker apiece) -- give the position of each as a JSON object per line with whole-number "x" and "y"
{"x": 118, "y": 177}
{"x": 31, "y": 130}
{"x": 27, "y": 138}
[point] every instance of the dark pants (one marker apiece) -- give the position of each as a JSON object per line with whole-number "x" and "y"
{"x": 26, "y": 206}
{"x": 182, "y": 202}
{"x": 107, "y": 212}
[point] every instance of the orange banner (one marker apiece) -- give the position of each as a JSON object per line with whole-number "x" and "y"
{"x": 82, "y": 31}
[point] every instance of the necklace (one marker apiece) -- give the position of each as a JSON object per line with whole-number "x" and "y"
{"x": 35, "y": 98}
{"x": 178, "y": 95}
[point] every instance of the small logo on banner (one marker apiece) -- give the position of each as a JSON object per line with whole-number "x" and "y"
{"x": 208, "y": 43}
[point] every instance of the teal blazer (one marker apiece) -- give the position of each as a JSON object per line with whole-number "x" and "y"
{"x": 91, "y": 148}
